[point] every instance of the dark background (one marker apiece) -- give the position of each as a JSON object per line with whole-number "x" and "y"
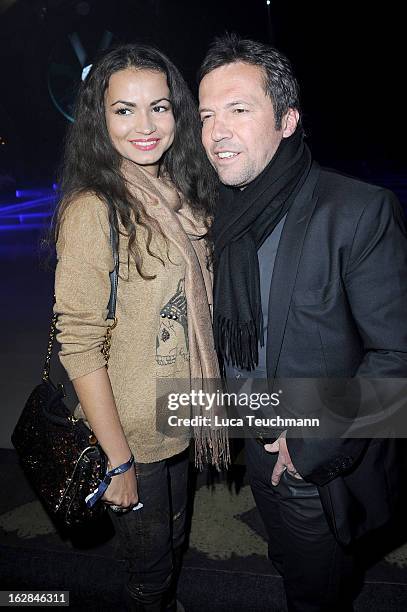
{"x": 349, "y": 58}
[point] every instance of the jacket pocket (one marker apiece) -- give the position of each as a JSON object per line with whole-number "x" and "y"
{"x": 314, "y": 297}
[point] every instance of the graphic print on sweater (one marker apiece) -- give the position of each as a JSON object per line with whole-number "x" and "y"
{"x": 172, "y": 337}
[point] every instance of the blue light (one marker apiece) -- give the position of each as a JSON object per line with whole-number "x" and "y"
{"x": 32, "y": 193}
{"x": 32, "y": 214}
{"x": 25, "y": 205}
{"x": 86, "y": 71}
{"x": 13, "y": 228}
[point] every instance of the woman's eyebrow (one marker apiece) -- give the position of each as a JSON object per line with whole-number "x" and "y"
{"x": 133, "y": 104}
{"x": 154, "y": 102}
{"x": 123, "y": 102}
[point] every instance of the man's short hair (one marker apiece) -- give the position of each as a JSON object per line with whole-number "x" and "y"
{"x": 280, "y": 83}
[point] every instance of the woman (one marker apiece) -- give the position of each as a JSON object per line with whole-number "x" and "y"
{"x": 133, "y": 160}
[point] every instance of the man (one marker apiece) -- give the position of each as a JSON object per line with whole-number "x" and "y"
{"x": 310, "y": 282}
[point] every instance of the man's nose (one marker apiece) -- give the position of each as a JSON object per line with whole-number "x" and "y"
{"x": 220, "y": 130}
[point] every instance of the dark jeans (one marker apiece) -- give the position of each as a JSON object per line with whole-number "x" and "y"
{"x": 319, "y": 575}
{"x": 151, "y": 539}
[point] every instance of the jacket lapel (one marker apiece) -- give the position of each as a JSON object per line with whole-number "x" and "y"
{"x": 286, "y": 267}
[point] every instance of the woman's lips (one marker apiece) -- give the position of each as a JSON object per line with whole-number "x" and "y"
{"x": 145, "y": 145}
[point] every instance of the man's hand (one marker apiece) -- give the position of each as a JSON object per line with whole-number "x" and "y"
{"x": 284, "y": 460}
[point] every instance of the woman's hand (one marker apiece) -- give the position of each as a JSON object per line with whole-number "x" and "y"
{"x": 122, "y": 490}
{"x": 96, "y": 397}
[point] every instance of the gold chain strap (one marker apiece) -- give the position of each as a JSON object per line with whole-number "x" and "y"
{"x": 107, "y": 342}
{"x": 51, "y": 338}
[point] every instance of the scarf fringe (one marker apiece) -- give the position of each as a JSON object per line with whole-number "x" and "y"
{"x": 212, "y": 446}
{"x": 238, "y": 342}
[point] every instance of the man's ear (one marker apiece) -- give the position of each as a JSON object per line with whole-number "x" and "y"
{"x": 289, "y": 122}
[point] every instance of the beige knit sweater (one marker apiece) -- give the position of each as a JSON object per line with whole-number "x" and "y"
{"x": 145, "y": 346}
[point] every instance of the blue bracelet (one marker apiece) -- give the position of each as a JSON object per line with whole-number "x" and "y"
{"x": 92, "y": 498}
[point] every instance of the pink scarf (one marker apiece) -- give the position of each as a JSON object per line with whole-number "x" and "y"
{"x": 168, "y": 207}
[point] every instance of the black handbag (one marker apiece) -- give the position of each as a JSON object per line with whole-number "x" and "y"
{"x": 59, "y": 454}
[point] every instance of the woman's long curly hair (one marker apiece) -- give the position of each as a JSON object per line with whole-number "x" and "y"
{"x": 91, "y": 163}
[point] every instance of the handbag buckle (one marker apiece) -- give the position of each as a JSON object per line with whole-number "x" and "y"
{"x": 92, "y": 439}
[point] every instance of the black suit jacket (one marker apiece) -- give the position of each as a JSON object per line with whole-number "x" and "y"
{"x": 338, "y": 308}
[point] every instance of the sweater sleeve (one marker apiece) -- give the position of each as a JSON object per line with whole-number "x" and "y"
{"x": 82, "y": 285}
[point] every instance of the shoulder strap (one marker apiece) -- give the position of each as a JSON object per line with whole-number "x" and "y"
{"x": 111, "y": 307}
{"x": 114, "y": 275}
